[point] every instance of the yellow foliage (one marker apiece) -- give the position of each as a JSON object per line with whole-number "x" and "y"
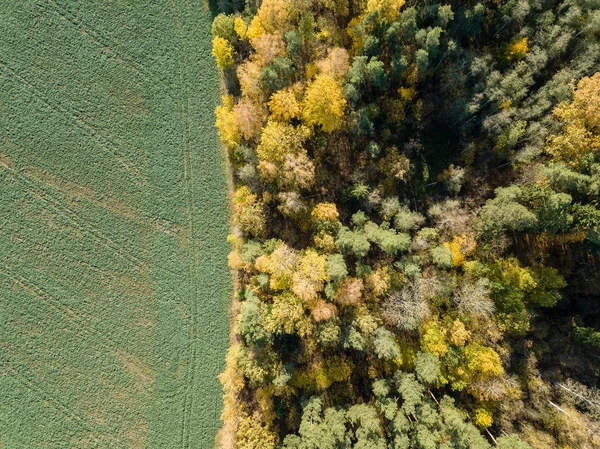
{"x": 248, "y": 117}
{"x": 264, "y": 400}
{"x": 223, "y": 52}
{"x": 251, "y": 434}
{"x": 233, "y": 382}
{"x": 278, "y": 139}
{"x": 311, "y": 274}
{"x": 324, "y": 242}
{"x": 406, "y": 93}
{"x": 321, "y": 374}
{"x": 483, "y": 418}
{"x": 231, "y": 379}
{"x": 458, "y": 333}
{"x": 580, "y": 134}
{"x": 366, "y": 323}
{"x": 268, "y": 47}
{"x": 324, "y": 103}
{"x": 379, "y": 281}
{"x": 325, "y": 212}
{"x": 225, "y": 123}
{"x": 482, "y": 362}
{"x": 241, "y": 27}
{"x": 390, "y": 9}
{"x": 323, "y": 310}
{"x": 433, "y": 338}
{"x": 249, "y": 211}
{"x": 350, "y": 292}
{"x": 273, "y": 16}
{"x": 285, "y": 313}
{"x": 249, "y": 76}
{"x": 460, "y": 247}
{"x": 336, "y": 64}
{"x": 281, "y": 264}
{"x": 235, "y": 261}
{"x": 518, "y": 49}
{"x": 255, "y": 29}
{"x": 516, "y": 276}
{"x": 284, "y": 105}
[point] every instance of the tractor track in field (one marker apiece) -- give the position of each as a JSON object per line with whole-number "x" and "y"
{"x": 104, "y": 144}
{"x": 45, "y": 197}
{"x": 43, "y": 395}
{"x": 38, "y": 190}
{"x": 188, "y": 185}
{"x": 79, "y": 322}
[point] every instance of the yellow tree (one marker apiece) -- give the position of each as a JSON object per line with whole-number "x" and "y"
{"x": 251, "y": 434}
{"x": 284, "y": 105}
{"x": 278, "y": 139}
{"x": 336, "y": 64}
{"x": 249, "y": 211}
{"x": 280, "y": 264}
{"x": 249, "y": 77}
{"x": 268, "y": 47}
{"x": 223, "y": 52}
{"x": 390, "y": 9}
{"x": 580, "y": 134}
{"x": 248, "y": 117}
{"x": 226, "y": 124}
{"x": 310, "y": 276}
{"x": 324, "y": 103}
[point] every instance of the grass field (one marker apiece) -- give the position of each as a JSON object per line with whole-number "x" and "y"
{"x": 113, "y": 216}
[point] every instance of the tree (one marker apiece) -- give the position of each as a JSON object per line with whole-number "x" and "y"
{"x": 223, "y": 52}
{"x": 384, "y": 344}
{"x": 427, "y": 367}
{"x": 390, "y": 9}
{"x": 250, "y": 325}
{"x": 279, "y": 139}
{"x": 336, "y": 64}
{"x": 580, "y": 134}
{"x": 353, "y": 242}
{"x": 251, "y": 434}
{"x": 248, "y": 117}
{"x": 506, "y": 213}
{"x": 309, "y": 278}
{"x": 284, "y": 105}
{"x": 442, "y": 256}
{"x": 285, "y": 314}
{"x": 280, "y": 264}
{"x": 223, "y": 26}
{"x": 387, "y": 239}
{"x": 336, "y": 267}
{"x": 226, "y": 124}
{"x": 324, "y": 104}
{"x": 250, "y": 214}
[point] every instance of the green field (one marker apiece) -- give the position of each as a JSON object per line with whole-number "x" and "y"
{"x": 114, "y": 287}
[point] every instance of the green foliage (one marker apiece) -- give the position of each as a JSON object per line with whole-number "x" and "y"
{"x": 442, "y": 256}
{"x": 336, "y": 267}
{"x": 384, "y": 344}
{"x": 250, "y": 325}
{"x": 387, "y": 239}
{"x": 505, "y": 213}
{"x": 223, "y": 26}
{"x": 427, "y": 367}
{"x": 353, "y": 242}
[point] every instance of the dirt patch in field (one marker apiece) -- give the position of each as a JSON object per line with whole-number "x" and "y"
{"x": 137, "y": 368}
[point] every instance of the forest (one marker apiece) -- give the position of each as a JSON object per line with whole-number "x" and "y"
{"x": 416, "y": 228}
